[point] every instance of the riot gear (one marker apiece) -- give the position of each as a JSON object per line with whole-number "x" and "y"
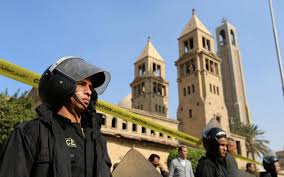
{"x": 210, "y": 139}
{"x": 268, "y": 163}
{"x": 58, "y": 83}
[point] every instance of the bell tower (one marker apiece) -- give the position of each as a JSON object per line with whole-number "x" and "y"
{"x": 233, "y": 79}
{"x": 150, "y": 87}
{"x": 199, "y": 80}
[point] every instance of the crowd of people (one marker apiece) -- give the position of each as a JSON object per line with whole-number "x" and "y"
{"x": 218, "y": 161}
{"x": 65, "y": 139}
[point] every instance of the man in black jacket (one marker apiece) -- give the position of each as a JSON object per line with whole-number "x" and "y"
{"x": 65, "y": 140}
{"x": 215, "y": 144}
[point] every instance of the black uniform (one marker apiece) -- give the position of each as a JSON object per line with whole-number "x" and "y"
{"x": 50, "y": 146}
{"x": 267, "y": 174}
{"x": 211, "y": 167}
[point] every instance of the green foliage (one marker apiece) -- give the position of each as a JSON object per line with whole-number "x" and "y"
{"x": 255, "y": 143}
{"x": 193, "y": 155}
{"x": 13, "y": 110}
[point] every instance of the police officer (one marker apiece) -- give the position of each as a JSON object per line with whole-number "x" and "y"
{"x": 271, "y": 165}
{"x": 213, "y": 164}
{"x": 65, "y": 139}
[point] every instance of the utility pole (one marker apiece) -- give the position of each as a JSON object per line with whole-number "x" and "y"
{"x": 277, "y": 45}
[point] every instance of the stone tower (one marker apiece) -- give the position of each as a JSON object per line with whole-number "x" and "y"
{"x": 233, "y": 80}
{"x": 150, "y": 87}
{"x": 199, "y": 80}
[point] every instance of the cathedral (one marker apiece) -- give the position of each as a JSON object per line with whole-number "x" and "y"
{"x": 210, "y": 86}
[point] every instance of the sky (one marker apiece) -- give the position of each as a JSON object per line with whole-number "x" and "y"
{"x": 111, "y": 34}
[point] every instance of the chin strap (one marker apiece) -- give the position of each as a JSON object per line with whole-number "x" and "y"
{"x": 80, "y": 102}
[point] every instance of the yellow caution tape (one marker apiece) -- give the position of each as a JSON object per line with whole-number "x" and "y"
{"x": 247, "y": 159}
{"x": 18, "y": 73}
{"x": 28, "y": 77}
{"x": 145, "y": 122}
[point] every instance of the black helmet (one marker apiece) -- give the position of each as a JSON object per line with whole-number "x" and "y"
{"x": 58, "y": 82}
{"x": 210, "y": 139}
{"x": 268, "y": 163}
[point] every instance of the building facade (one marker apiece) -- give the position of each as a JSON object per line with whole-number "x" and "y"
{"x": 200, "y": 86}
{"x": 150, "y": 87}
{"x": 232, "y": 72}
{"x": 210, "y": 86}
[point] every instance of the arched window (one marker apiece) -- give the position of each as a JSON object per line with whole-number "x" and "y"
{"x": 222, "y": 37}
{"x": 124, "y": 125}
{"x": 114, "y": 123}
{"x": 218, "y": 118}
{"x": 233, "y": 40}
{"x": 103, "y": 119}
{"x": 188, "y": 90}
{"x": 152, "y": 132}
{"x": 143, "y": 130}
{"x": 134, "y": 127}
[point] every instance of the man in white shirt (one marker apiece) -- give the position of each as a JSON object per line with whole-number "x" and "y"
{"x": 180, "y": 166}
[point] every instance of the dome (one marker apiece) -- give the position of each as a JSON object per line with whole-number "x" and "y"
{"x": 126, "y": 101}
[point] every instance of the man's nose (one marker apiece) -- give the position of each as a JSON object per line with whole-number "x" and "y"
{"x": 88, "y": 91}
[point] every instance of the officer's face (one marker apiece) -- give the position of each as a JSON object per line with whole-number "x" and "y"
{"x": 83, "y": 91}
{"x": 277, "y": 167}
{"x": 222, "y": 147}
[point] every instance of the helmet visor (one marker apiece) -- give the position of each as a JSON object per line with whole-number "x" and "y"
{"x": 78, "y": 69}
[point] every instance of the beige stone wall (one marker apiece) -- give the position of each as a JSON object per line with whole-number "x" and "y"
{"x": 149, "y": 135}
{"x": 204, "y": 103}
{"x": 241, "y": 139}
{"x": 121, "y": 141}
{"x": 148, "y": 100}
{"x": 232, "y": 69}
{"x": 208, "y": 100}
{"x": 214, "y": 103}
{"x": 118, "y": 147}
{"x": 201, "y": 34}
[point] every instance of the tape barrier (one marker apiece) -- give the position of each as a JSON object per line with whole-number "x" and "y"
{"x": 18, "y": 73}
{"x": 247, "y": 159}
{"x": 145, "y": 122}
{"x": 28, "y": 77}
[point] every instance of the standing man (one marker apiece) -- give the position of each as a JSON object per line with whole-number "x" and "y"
{"x": 155, "y": 160}
{"x": 65, "y": 139}
{"x": 213, "y": 164}
{"x": 180, "y": 166}
{"x": 231, "y": 163}
{"x": 271, "y": 165}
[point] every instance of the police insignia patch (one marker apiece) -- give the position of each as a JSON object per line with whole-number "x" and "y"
{"x": 70, "y": 142}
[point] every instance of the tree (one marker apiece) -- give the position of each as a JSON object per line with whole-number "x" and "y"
{"x": 193, "y": 155}
{"x": 255, "y": 143}
{"x": 13, "y": 110}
